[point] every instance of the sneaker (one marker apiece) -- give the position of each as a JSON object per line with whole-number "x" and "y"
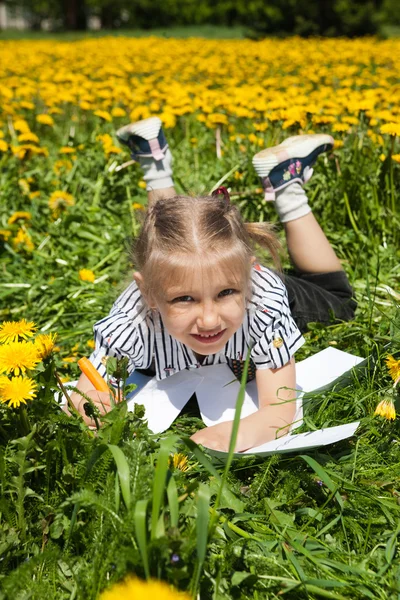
{"x": 291, "y": 161}
{"x": 144, "y": 138}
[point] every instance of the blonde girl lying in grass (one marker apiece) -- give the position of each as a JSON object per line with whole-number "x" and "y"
{"x": 200, "y": 297}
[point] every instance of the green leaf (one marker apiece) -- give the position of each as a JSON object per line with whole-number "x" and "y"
{"x": 323, "y": 475}
{"x": 140, "y": 518}
{"x": 123, "y": 473}
{"x": 160, "y": 476}
{"x": 173, "y": 502}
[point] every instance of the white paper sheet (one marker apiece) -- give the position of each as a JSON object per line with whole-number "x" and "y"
{"x": 217, "y": 388}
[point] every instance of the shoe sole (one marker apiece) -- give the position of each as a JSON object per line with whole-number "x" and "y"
{"x": 147, "y": 129}
{"x": 298, "y": 146}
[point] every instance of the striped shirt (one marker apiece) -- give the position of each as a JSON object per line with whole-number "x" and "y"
{"x": 131, "y": 330}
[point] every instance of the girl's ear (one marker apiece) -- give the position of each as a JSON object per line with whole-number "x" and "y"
{"x": 253, "y": 260}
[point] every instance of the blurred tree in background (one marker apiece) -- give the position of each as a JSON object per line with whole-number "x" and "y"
{"x": 262, "y": 17}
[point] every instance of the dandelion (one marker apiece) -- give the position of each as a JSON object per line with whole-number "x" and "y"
{"x": 393, "y": 366}
{"x": 391, "y": 128}
{"x": 11, "y": 331}
{"x": 67, "y": 150}
{"x": 103, "y": 114}
{"x": 137, "y": 206}
{"x": 21, "y": 125}
{"x": 45, "y": 344}
{"x": 5, "y": 234}
{"x": 28, "y": 137}
{"x": 59, "y": 201}
{"x": 3, "y": 146}
{"x": 91, "y": 344}
{"x": 23, "y": 241}
{"x": 386, "y": 409}
{"x": 17, "y": 357}
{"x": 396, "y": 158}
{"x": 19, "y": 215}
{"x": 142, "y": 184}
{"x": 45, "y": 119}
{"x": 118, "y": 112}
{"x": 87, "y": 275}
{"x": 136, "y": 589}
{"x": 179, "y": 461}
{"x": 17, "y": 390}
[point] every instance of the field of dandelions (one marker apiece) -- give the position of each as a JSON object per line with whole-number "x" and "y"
{"x": 81, "y": 510}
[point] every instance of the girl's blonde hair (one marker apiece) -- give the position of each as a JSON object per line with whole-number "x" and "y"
{"x": 197, "y": 232}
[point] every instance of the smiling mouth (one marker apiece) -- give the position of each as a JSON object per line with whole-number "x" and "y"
{"x": 206, "y": 338}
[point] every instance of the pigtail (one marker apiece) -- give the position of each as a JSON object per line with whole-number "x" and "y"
{"x": 264, "y": 235}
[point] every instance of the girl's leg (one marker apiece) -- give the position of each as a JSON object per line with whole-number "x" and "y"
{"x": 149, "y": 147}
{"x": 283, "y": 170}
{"x": 321, "y": 291}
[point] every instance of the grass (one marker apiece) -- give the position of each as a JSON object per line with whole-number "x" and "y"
{"x": 204, "y": 31}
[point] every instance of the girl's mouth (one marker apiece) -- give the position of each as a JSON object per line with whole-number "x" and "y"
{"x": 208, "y": 339}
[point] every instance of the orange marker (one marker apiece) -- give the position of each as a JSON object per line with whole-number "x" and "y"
{"x": 93, "y": 375}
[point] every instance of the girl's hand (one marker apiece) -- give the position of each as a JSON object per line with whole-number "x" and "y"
{"x": 100, "y": 399}
{"x": 217, "y": 437}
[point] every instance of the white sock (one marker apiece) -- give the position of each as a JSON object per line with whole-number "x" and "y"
{"x": 157, "y": 173}
{"x": 291, "y": 203}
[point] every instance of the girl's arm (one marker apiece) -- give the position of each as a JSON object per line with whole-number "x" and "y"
{"x": 276, "y": 412}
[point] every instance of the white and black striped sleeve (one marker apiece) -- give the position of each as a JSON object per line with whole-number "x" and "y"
{"x": 119, "y": 334}
{"x": 277, "y": 336}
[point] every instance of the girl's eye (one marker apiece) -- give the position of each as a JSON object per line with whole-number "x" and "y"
{"x": 182, "y": 299}
{"x": 227, "y": 292}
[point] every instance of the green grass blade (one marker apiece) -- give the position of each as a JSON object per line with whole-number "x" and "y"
{"x": 235, "y": 428}
{"x": 173, "y": 502}
{"x": 203, "y": 515}
{"x": 160, "y": 476}
{"x": 323, "y": 475}
{"x": 140, "y": 518}
{"x": 123, "y": 473}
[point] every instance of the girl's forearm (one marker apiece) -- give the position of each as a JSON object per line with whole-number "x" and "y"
{"x": 268, "y": 423}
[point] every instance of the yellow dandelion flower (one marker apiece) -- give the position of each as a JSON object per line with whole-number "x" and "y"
{"x": 393, "y": 366}
{"x": 61, "y": 164}
{"x": 103, "y": 114}
{"x": 17, "y": 357}
{"x": 137, "y": 206}
{"x": 67, "y": 150}
{"x": 17, "y": 390}
{"x": 24, "y": 185}
{"x": 91, "y": 344}
{"x": 142, "y": 184}
{"x": 28, "y": 137}
{"x": 87, "y": 275}
{"x": 21, "y": 125}
{"x": 118, "y": 112}
{"x": 19, "y": 215}
{"x": 338, "y": 144}
{"x": 59, "y": 201}
{"x": 386, "y": 409}
{"x": 5, "y": 234}
{"x": 27, "y": 105}
{"x": 391, "y": 128}
{"x": 382, "y": 157}
{"x": 23, "y": 241}
{"x": 340, "y": 127}
{"x": 136, "y": 589}
{"x": 45, "y": 343}
{"x": 70, "y": 359}
{"x": 3, "y": 146}
{"x": 34, "y": 195}
{"x": 396, "y": 158}
{"x": 45, "y": 119}
{"x": 10, "y": 331}
{"x": 179, "y": 461}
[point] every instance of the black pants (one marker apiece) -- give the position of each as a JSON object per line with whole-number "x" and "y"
{"x": 321, "y": 298}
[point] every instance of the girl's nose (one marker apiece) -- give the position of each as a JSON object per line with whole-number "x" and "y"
{"x": 209, "y": 317}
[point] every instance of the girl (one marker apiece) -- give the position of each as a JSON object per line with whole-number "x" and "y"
{"x": 199, "y": 297}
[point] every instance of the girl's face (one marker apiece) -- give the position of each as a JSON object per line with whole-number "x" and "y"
{"x": 205, "y": 310}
